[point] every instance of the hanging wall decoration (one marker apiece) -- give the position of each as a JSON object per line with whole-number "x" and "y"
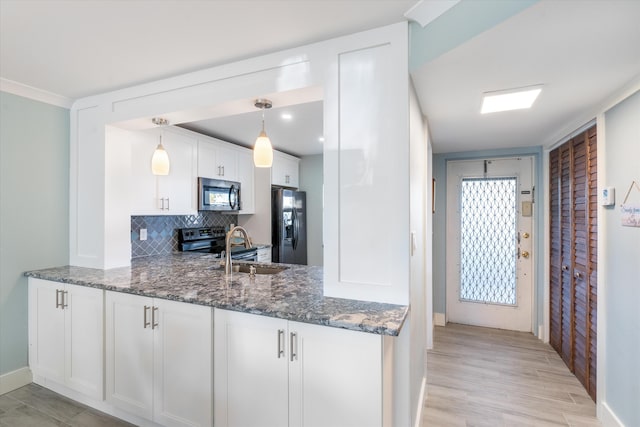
{"x": 630, "y": 211}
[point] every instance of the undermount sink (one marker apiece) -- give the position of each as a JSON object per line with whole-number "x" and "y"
{"x": 245, "y": 268}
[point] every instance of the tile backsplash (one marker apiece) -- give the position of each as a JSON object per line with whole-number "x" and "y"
{"x": 162, "y": 231}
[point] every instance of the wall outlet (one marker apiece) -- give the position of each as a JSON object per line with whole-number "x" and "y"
{"x": 143, "y": 234}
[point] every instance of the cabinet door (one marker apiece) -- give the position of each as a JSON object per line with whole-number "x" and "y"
{"x": 173, "y": 194}
{"x": 46, "y": 330}
{"x": 250, "y": 370}
{"x": 129, "y": 355}
{"x": 284, "y": 171}
{"x": 207, "y": 164}
{"x": 335, "y": 377}
{"x": 179, "y": 187}
{"x": 183, "y": 382}
{"x": 246, "y": 179}
{"x": 84, "y": 337}
{"x": 264, "y": 255}
{"x": 227, "y": 159}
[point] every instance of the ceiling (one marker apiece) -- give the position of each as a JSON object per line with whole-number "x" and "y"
{"x": 298, "y": 135}
{"x": 582, "y": 51}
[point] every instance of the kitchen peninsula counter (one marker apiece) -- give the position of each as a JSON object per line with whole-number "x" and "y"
{"x": 294, "y": 294}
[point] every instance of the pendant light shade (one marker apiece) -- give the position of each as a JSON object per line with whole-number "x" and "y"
{"x": 263, "y": 150}
{"x": 160, "y": 164}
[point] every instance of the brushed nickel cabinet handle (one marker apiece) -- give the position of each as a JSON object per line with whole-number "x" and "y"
{"x": 58, "y": 304}
{"x": 154, "y": 324}
{"x": 280, "y": 343}
{"x": 146, "y": 323}
{"x": 293, "y": 346}
{"x": 168, "y": 206}
{"x": 64, "y": 299}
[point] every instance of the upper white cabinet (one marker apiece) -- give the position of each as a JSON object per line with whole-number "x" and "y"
{"x": 222, "y": 160}
{"x": 217, "y": 159}
{"x": 159, "y": 359}
{"x": 246, "y": 177}
{"x": 295, "y": 374}
{"x": 285, "y": 170}
{"x": 173, "y": 194}
{"x": 65, "y": 336}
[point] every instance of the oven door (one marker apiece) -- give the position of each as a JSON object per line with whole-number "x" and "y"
{"x": 245, "y": 255}
{"x": 217, "y": 195}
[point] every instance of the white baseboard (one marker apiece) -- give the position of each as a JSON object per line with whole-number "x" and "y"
{"x": 608, "y": 418}
{"x": 439, "y": 319}
{"x": 15, "y": 379}
{"x": 423, "y": 390}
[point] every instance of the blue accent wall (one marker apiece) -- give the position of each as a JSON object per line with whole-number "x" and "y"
{"x": 621, "y": 284}
{"x": 462, "y": 22}
{"x": 34, "y": 210}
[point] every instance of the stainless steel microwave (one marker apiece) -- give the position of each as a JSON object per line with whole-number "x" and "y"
{"x": 218, "y": 195}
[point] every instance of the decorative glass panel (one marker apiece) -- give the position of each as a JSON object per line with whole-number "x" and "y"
{"x": 488, "y": 240}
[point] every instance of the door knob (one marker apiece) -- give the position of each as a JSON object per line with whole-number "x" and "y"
{"x": 525, "y": 254}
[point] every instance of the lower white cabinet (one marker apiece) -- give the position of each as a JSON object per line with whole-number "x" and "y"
{"x": 65, "y": 336}
{"x": 264, "y": 255}
{"x": 159, "y": 359}
{"x": 273, "y": 372}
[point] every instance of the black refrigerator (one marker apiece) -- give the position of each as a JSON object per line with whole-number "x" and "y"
{"x": 289, "y": 226}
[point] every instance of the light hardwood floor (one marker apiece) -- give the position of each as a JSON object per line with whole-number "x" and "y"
{"x": 35, "y": 406}
{"x": 490, "y": 377}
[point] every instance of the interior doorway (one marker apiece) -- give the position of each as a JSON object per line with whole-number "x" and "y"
{"x": 490, "y": 255}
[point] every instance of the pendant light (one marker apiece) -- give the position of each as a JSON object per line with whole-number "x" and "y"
{"x": 262, "y": 150}
{"x": 160, "y": 161}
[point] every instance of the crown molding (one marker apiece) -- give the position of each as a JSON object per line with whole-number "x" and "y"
{"x": 36, "y": 94}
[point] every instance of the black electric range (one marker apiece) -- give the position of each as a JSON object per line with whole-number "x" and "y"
{"x": 212, "y": 240}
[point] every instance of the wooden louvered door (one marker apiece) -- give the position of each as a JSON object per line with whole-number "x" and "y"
{"x": 573, "y": 262}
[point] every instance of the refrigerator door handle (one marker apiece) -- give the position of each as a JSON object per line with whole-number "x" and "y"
{"x": 294, "y": 231}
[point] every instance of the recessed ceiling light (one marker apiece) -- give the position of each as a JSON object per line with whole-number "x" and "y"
{"x": 511, "y": 99}
{"x": 286, "y": 116}
{"x": 321, "y": 139}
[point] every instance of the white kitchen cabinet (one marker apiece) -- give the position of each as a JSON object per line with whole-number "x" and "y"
{"x": 264, "y": 255}
{"x": 222, "y": 160}
{"x": 173, "y": 194}
{"x": 217, "y": 159}
{"x": 295, "y": 374}
{"x": 66, "y": 336}
{"x": 159, "y": 359}
{"x": 285, "y": 170}
{"x": 246, "y": 178}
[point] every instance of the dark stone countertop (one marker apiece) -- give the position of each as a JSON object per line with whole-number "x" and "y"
{"x": 294, "y": 294}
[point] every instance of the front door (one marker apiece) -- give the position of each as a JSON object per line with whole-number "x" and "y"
{"x": 490, "y": 243}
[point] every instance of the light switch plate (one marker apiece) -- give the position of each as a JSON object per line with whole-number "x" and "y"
{"x": 143, "y": 234}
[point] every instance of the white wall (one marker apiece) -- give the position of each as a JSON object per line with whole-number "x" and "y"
{"x": 311, "y": 181}
{"x": 619, "y": 289}
{"x": 34, "y": 215}
{"x": 259, "y": 224}
{"x": 417, "y": 223}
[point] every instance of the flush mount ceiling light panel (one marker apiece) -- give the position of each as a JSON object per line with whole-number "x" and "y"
{"x": 511, "y": 99}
